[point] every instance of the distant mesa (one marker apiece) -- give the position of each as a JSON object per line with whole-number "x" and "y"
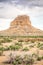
{"x": 21, "y": 26}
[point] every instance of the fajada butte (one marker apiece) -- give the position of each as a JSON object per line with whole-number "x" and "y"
{"x": 21, "y": 26}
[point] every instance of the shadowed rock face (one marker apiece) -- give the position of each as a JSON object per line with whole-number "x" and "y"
{"x": 21, "y": 26}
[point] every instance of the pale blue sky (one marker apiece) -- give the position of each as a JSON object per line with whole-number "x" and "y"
{"x": 9, "y": 9}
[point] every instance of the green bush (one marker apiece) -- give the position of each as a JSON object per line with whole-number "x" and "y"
{"x": 40, "y": 46}
{"x": 17, "y": 47}
{"x": 18, "y": 60}
{"x": 4, "y": 40}
{"x": 1, "y": 48}
{"x": 14, "y": 47}
{"x": 14, "y": 63}
{"x": 25, "y": 49}
{"x": 7, "y": 40}
{"x": 27, "y": 64}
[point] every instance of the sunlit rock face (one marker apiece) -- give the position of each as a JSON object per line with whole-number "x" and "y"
{"x": 21, "y": 26}
{"x": 21, "y": 20}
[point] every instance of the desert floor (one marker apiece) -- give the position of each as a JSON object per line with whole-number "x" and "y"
{"x": 10, "y": 48}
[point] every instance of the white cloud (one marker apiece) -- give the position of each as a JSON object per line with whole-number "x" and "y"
{"x": 10, "y": 12}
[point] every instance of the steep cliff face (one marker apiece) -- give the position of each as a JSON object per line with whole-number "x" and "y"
{"x": 21, "y": 26}
{"x": 21, "y": 20}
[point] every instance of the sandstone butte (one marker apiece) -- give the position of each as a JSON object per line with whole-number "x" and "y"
{"x": 21, "y": 26}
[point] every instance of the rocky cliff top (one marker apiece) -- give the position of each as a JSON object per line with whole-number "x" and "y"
{"x": 21, "y": 20}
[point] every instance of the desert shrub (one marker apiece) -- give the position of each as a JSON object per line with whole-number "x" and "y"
{"x": 42, "y": 57}
{"x": 4, "y": 40}
{"x": 7, "y": 48}
{"x": 17, "y": 47}
{"x": 18, "y": 60}
{"x": 25, "y": 49}
{"x": 14, "y": 47}
{"x": 39, "y": 58}
{"x": 27, "y": 64}
{"x": 19, "y": 43}
{"x": 28, "y": 59}
{"x": 7, "y": 40}
{"x": 1, "y": 48}
{"x": 11, "y": 47}
{"x": 20, "y": 40}
{"x": 14, "y": 63}
{"x": 32, "y": 41}
{"x": 31, "y": 45}
{"x": 35, "y": 55}
{"x": 40, "y": 46}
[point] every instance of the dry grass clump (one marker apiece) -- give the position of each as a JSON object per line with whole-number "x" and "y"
{"x": 24, "y": 60}
{"x": 19, "y": 60}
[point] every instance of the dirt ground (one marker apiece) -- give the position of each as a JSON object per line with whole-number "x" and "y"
{"x": 6, "y": 54}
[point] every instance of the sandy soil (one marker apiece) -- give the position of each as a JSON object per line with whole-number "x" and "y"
{"x": 7, "y": 53}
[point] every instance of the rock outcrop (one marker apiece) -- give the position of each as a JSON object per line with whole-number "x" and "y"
{"x": 22, "y": 26}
